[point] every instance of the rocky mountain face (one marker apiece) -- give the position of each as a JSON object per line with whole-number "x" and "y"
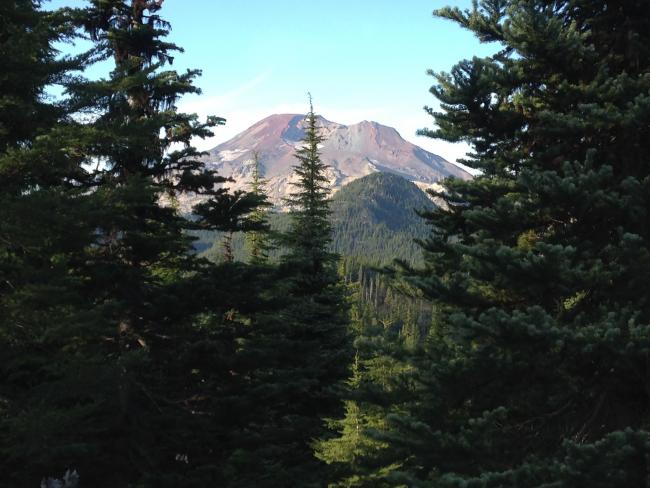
{"x": 351, "y": 151}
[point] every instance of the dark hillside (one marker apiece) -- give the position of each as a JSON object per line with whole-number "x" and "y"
{"x": 373, "y": 218}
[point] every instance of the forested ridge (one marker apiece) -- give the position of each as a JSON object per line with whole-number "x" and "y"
{"x": 512, "y": 351}
{"x": 373, "y": 218}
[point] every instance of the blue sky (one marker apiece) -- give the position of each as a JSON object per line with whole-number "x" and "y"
{"x": 360, "y": 59}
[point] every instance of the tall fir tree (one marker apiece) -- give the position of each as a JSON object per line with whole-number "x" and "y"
{"x": 299, "y": 354}
{"x": 175, "y": 326}
{"x": 257, "y": 241}
{"x": 318, "y": 313}
{"x": 309, "y": 235}
{"x": 124, "y": 372}
{"x": 43, "y": 235}
{"x": 535, "y": 372}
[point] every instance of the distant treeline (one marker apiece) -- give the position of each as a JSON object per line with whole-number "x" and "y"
{"x": 373, "y": 218}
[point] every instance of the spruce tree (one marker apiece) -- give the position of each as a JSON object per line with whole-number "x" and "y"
{"x": 258, "y": 240}
{"x": 535, "y": 371}
{"x": 43, "y": 235}
{"x": 174, "y": 318}
{"x": 121, "y": 342}
{"x": 310, "y": 233}
{"x": 299, "y": 354}
{"x": 317, "y": 313}
{"x": 385, "y": 341}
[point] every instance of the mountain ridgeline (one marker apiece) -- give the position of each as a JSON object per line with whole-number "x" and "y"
{"x": 349, "y": 151}
{"x": 373, "y": 218}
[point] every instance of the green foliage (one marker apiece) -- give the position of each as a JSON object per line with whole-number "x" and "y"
{"x": 290, "y": 347}
{"x": 309, "y": 232}
{"x": 301, "y": 354}
{"x": 373, "y": 218}
{"x": 117, "y": 342}
{"x": 534, "y": 372}
{"x": 388, "y": 327}
{"x": 258, "y": 240}
{"x": 30, "y": 64}
{"x": 44, "y": 316}
{"x": 517, "y": 355}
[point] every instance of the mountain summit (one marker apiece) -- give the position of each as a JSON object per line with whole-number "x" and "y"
{"x": 351, "y": 152}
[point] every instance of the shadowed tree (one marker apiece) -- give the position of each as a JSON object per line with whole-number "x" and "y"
{"x": 43, "y": 235}
{"x": 535, "y": 371}
{"x": 300, "y": 353}
{"x": 121, "y": 368}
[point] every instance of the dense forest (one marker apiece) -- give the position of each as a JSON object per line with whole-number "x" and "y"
{"x": 373, "y": 219}
{"x": 504, "y": 343}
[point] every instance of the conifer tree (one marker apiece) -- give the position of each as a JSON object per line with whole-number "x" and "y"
{"x": 535, "y": 372}
{"x": 300, "y": 353}
{"x": 258, "y": 240}
{"x": 43, "y": 235}
{"x": 317, "y": 311}
{"x": 385, "y": 341}
{"x": 310, "y": 232}
{"x": 125, "y": 372}
{"x": 228, "y": 253}
{"x": 174, "y": 317}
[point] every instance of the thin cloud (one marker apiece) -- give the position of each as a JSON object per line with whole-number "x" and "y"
{"x": 211, "y": 105}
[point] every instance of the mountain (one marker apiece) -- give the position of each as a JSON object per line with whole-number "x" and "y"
{"x": 351, "y": 151}
{"x": 372, "y": 218}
